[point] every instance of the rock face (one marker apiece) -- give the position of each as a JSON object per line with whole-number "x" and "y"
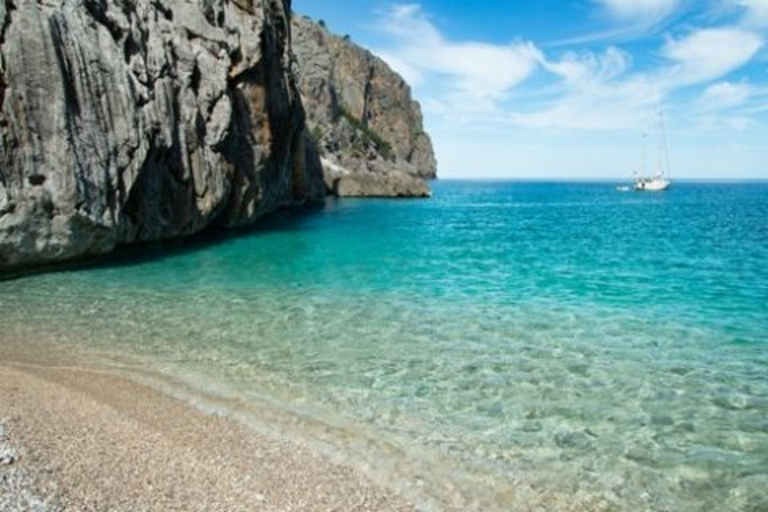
{"x": 129, "y": 121}
{"x": 360, "y": 112}
{"x": 344, "y": 183}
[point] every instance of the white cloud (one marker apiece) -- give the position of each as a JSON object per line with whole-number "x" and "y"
{"x": 597, "y": 94}
{"x": 722, "y": 105}
{"x": 737, "y": 123}
{"x": 600, "y": 93}
{"x": 623, "y": 104}
{"x": 757, "y": 10}
{"x": 590, "y": 67}
{"x": 709, "y": 54}
{"x": 647, "y": 12}
{"x": 476, "y": 74}
{"x": 628, "y": 20}
{"x": 725, "y": 95}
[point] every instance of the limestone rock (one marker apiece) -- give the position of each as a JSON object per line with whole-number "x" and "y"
{"x": 362, "y": 115}
{"x": 344, "y": 183}
{"x": 127, "y": 121}
{"x": 393, "y": 184}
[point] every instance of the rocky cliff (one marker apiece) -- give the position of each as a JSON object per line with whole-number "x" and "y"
{"x": 129, "y": 121}
{"x": 368, "y": 128}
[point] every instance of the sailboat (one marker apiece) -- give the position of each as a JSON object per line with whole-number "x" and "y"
{"x": 660, "y": 180}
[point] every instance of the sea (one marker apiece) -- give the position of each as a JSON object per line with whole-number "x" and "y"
{"x": 500, "y": 346}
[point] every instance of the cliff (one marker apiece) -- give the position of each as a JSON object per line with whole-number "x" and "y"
{"x": 130, "y": 121}
{"x": 368, "y": 128}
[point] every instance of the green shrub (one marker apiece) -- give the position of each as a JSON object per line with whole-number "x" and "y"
{"x": 317, "y": 133}
{"x": 383, "y": 147}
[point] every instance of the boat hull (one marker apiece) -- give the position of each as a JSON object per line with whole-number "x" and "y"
{"x": 657, "y": 185}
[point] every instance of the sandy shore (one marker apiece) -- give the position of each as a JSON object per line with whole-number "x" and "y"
{"x": 83, "y": 439}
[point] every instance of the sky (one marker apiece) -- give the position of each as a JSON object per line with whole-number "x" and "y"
{"x": 567, "y": 88}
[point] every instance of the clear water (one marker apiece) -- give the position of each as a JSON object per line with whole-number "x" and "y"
{"x": 517, "y": 346}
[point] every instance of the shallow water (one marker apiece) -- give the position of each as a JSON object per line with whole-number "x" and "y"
{"x": 554, "y": 346}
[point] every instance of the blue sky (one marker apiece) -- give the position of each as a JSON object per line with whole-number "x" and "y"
{"x": 566, "y": 88}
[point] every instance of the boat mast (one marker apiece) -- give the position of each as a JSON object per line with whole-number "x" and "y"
{"x": 664, "y": 149}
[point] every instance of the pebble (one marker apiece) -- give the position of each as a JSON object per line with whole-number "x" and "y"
{"x": 8, "y": 455}
{"x": 17, "y": 484}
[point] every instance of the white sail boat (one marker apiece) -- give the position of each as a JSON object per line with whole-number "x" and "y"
{"x": 660, "y": 180}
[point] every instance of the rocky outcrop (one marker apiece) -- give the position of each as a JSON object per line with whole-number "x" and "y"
{"x": 344, "y": 183}
{"x": 129, "y": 121}
{"x": 368, "y": 128}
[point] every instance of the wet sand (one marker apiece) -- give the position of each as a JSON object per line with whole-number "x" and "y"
{"x": 86, "y": 439}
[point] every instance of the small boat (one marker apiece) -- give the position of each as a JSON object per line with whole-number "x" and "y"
{"x": 660, "y": 180}
{"x": 623, "y": 188}
{"x": 657, "y": 183}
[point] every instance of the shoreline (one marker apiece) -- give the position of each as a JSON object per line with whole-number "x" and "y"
{"x": 87, "y": 439}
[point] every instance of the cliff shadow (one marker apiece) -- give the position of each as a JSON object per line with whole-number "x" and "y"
{"x": 284, "y": 220}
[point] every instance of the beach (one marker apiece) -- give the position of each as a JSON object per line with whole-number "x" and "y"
{"x": 85, "y": 439}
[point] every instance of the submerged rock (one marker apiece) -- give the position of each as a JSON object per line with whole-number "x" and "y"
{"x": 134, "y": 121}
{"x": 573, "y": 440}
{"x": 368, "y": 128}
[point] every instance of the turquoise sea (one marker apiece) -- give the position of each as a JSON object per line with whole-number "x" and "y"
{"x": 502, "y": 346}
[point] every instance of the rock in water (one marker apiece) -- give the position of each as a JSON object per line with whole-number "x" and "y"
{"x": 368, "y": 184}
{"x": 127, "y": 121}
{"x": 360, "y": 112}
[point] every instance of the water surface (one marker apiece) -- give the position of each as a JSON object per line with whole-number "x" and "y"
{"x": 547, "y": 346}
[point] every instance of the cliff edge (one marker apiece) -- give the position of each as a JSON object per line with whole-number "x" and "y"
{"x": 368, "y": 129}
{"x": 125, "y": 122}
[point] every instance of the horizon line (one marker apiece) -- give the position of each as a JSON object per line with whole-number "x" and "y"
{"x": 603, "y": 179}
